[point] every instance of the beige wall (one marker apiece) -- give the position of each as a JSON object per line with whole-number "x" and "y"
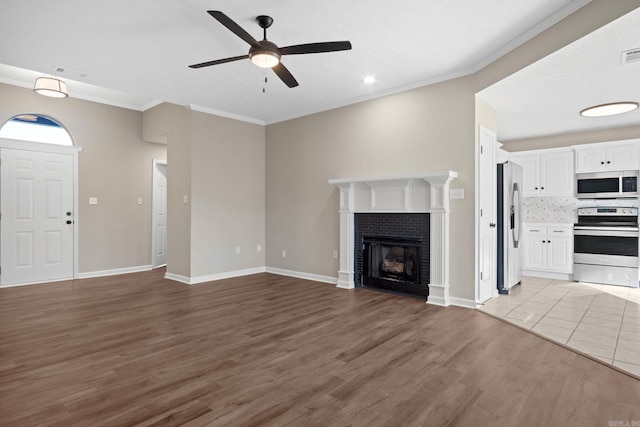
{"x": 114, "y": 166}
{"x": 219, "y": 165}
{"x": 174, "y": 123}
{"x": 425, "y": 129}
{"x": 227, "y": 193}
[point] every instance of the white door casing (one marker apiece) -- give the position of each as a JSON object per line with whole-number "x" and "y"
{"x": 159, "y": 215}
{"x": 38, "y": 224}
{"x": 486, "y": 274}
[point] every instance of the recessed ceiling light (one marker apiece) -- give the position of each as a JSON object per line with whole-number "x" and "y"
{"x": 609, "y": 109}
{"x": 369, "y": 80}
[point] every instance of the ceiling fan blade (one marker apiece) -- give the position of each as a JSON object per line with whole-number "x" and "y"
{"x": 235, "y": 28}
{"x": 284, "y": 74}
{"x": 300, "y": 49}
{"x": 219, "y": 61}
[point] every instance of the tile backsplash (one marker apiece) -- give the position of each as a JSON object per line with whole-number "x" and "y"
{"x": 563, "y": 209}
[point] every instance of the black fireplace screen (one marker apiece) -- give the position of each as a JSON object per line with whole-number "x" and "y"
{"x": 392, "y": 263}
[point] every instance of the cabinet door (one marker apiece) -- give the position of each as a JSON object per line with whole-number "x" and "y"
{"x": 560, "y": 254}
{"x": 556, "y": 174}
{"x": 590, "y": 159}
{"x": 530, "y": 174}
{"x": 534, "y": 252}
{"x": 622, "y": 157}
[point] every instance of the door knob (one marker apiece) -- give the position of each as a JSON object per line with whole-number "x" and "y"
{"x": 69, "y": 221}
{"x": 68, "y": 213}
{"x": 492, "y": 225}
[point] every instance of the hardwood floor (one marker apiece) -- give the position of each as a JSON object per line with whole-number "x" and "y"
{"x": 269, "y": 350}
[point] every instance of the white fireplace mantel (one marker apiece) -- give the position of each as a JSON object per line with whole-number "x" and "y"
{"x": 417, "y": 193}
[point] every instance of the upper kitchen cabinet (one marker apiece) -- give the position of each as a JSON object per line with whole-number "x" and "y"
{"x": 546, "y": 172}
{"x": 610, "y": 156}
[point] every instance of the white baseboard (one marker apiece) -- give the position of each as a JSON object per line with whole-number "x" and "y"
{"x": 301, "y": 275}
{"x": 11, "y": 285}
{"x": 548, "y": 275}
{"x": 462, "y": 302}
{"x": 114, "y": 272}
{"x": 177, "y": 278}
{"x": 213, "y": 277}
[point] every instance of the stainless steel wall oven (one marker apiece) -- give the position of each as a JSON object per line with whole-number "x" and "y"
{"x": 606, "y": 246}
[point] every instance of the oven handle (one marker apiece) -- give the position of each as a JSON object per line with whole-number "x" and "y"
{"x": 605, "y": 231}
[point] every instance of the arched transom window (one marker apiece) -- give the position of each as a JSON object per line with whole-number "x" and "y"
{"x": 37, "y": 128}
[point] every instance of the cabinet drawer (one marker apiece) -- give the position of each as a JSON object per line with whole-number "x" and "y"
{"x": 559, "y": 232}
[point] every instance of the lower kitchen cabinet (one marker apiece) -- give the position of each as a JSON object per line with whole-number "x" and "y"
{"x": 548, "y": 248}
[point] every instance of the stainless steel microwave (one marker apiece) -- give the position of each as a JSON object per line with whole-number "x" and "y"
{"x": 607, "y": 185}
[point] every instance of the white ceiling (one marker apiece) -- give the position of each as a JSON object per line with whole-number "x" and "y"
{"x": 546, "y": 98}
{"x": 135, "y": 54}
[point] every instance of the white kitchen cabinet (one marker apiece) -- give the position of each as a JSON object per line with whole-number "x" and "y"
{"x": 546, "y": 172}
{"x": 548, "y": 248}
{"x": 610, "y": 157}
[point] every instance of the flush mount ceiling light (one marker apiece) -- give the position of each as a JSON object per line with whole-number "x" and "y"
{"x": 50, "y": 86}
{"x": 369, "y": 80}
{"x": 609, "y": 109}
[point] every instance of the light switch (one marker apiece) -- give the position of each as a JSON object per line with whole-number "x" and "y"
{"x": 456, "y": 193}
{"x": 185, "y": 199}
{"x": 93, "y": 200}
{"x": 139, "y": 200}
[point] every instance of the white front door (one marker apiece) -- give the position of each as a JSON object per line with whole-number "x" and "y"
{"x": 36, "y": 204}
{"x": 159, "y": 212}
{"x": 487, "y": 221}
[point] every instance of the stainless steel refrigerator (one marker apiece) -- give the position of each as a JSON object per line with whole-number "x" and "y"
{"x": 509, "y": 226}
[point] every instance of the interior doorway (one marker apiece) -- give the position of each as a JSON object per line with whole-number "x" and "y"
{"x": 159, "y": 215}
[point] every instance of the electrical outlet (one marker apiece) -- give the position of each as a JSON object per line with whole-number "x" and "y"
{"x": 259, "y": 248}
{"x": 237, "y": 250}
{"x": 284, "y": 253}
{"x": 335, "y": 254}
{"x": 93, "y": 200}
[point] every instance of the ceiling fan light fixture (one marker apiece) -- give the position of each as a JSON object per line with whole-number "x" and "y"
{"x": 609, "y": 109}
{"x": 50, "y": 86}
{"x": 265, "y": 58}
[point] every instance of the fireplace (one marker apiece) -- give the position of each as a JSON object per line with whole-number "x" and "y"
{"x": 393, "y": 263}
{"x": 405, "y": 194}
{"x": 392, "y": 252}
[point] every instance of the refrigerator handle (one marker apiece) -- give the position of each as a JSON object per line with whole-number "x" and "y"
{"x": 515, "y": 214}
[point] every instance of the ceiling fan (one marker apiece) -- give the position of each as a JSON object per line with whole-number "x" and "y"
{"x": 266, "y": 54}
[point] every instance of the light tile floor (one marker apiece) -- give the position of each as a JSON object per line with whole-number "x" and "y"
{"x": 600, "y": 320}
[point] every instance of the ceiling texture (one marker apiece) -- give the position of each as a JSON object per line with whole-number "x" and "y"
{"x": 135, "y": 54}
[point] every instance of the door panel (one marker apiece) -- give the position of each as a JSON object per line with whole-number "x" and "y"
{"x": 159, "y": 219}
{"x": 487, "y": 283}
{"x": 37, "y": 193}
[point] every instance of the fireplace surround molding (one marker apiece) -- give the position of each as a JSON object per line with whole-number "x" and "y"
{"x": 417, "y": 193}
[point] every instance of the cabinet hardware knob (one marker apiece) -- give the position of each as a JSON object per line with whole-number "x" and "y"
{"x": 602, "y": 163}
{"x": 608, "y": 162}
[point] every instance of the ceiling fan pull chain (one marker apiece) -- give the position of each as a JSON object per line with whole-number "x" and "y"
{"x": 264, "y": 89}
